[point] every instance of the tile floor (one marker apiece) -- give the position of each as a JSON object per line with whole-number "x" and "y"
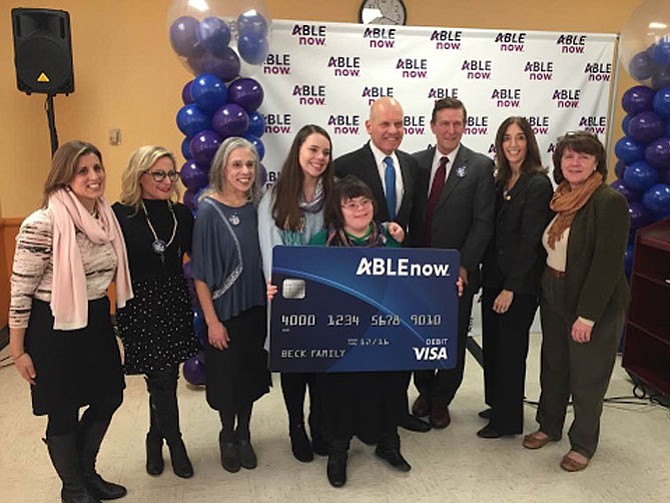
{"x": 454, "y": 465}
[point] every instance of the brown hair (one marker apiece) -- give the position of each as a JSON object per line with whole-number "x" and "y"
{"x": 581, "y": 142}
{"x": 453, "y": 103}
{"x": 345, "y": 188}
{"x": 64, "y": 165}
{"x": 288, "y": 188}
{"x": 532, "y": 162}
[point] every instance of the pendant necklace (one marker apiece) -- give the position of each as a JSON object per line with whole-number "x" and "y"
{"x": 159, "y": 246}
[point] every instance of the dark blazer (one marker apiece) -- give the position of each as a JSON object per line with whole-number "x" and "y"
{"x": 463, "y": 217}
{"x": 361, "y": 163}
{"x": 515, "y": 257}
{"x": 595, "y": 281}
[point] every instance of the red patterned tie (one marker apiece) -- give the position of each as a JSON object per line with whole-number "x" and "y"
{"x": 434, "y": 197}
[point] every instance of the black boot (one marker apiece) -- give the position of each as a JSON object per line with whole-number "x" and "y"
{"x": 337, "y": 462}
{"x": 162, "y": 387}
{"x": 90, "y": 437}
{"x": 300, "y": 444}
{"x": 181, "y": 464}
{"x": 155, "y": 464}
{"x": 230, "y": 455}
{"x": 388, "y": 449}
{"x": 65, "y": 459}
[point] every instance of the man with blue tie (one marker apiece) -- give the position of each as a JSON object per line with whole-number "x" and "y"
{"x": 458, "y": 199}
{"x": 392, "y": 177}
{"x": 390, "y": 173}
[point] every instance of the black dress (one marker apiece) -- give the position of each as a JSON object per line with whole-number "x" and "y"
{"x": 156, "y": 327}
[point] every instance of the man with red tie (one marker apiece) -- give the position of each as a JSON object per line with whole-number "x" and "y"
{"x": 457, "y": 192}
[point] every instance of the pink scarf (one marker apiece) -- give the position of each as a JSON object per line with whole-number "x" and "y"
{"x": 69, "y": 301}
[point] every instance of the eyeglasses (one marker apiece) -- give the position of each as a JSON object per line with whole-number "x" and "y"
{"x": 159, "y": 176}
{"x": 354, "y": 205}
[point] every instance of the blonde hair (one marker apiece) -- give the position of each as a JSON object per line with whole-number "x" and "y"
{"x": 64, "y": 164}
{"x": 217, "y": 172}
{"x": 141, "y": 162}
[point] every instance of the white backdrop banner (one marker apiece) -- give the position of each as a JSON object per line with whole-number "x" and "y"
{"x": 329, "y": 73}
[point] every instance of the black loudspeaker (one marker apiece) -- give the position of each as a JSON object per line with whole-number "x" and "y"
{"x": 42, "y": 51}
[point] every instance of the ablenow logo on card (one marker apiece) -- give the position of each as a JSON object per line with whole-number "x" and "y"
{"x": 399, "y": 267}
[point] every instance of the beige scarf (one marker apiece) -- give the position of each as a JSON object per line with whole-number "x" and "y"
{"x": 567, "y": 202}
{"x": 69, "y": 301}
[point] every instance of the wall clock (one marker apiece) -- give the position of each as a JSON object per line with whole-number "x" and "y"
{"x": 383, "y": 12}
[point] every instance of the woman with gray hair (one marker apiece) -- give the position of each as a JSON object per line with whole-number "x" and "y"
{"x": 156, "y": 327}
{"x": 228, "y": 276}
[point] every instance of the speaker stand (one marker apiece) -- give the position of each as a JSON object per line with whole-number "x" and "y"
{"x": 51, "y": 118}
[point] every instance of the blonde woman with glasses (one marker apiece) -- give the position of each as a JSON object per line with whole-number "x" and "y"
{"x": 156, "y": 327}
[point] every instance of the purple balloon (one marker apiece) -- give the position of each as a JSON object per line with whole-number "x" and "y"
{"x": 256, "y": 124}
{"x": 214, "y": 35}
{"x": 646, "y": 126}
{"x": 262, "y": 176}
{"x": 628, "y": 150}
{"x": 204, "y": 146}
{"x": 639, "y": 216}
{"x": 194, "y": 370}
{"x": 230, "y": 120}
{"x": 639, "y": 176}
{"x": 619, "y": 169}
{"x": 664, "y": 177}
{"x": 186, "y": 97}
{"x": 252, "y": 49}
{"x": 194, "y": 176}
{"x": 191, "y": 120}
{"x": 226, "y": 66}
{"x": 209, "y": 92}
{"x": 247, "y": 93}
{"x": 183, "y": 36}
{"x": 189, "y": 199}
{"x": 637, "y": 99}
{"x": 252, "y": 24}
{"x": 661, "y": 102}
{"x": 256, "y": 142}
{"x": 661, "y": 78}
{"x": 657, "y": 153}
{"x": 641, "y": 67}
{"x": 630, "y": 195}
{"x": 657, "y": 199}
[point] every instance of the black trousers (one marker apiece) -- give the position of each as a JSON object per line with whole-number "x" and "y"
{"x": 440, "y": 386}
{"x": 505, "y": 345}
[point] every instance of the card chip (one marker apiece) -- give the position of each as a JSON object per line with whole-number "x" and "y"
{"x": 293, "y": 288}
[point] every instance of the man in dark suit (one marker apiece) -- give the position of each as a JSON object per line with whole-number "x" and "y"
{"x": 392, "y": 176}
{"x": 379, "y": 162}
{"x": 458, "y": 201}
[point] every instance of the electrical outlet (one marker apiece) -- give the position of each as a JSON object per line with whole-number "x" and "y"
{"x": 115, "y": 136}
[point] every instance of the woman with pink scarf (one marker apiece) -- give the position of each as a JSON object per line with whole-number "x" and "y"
{"x": 61, "y": 337}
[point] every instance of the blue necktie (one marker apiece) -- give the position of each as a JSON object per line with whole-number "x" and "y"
{"x": 389, "y": 181}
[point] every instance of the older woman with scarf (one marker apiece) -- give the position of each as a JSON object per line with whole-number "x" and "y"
{"x": 61, "y": 336}
{"x": 584, "y": 297}
{"x": 290, "y": 214}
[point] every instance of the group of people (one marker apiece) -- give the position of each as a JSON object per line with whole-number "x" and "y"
{"x": 520, "y": 240}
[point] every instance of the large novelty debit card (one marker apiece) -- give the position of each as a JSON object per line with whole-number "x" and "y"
{"x": 363, "y": 309}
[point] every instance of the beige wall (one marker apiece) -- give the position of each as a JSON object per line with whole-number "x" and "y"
{"x": 126, "y": 75}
